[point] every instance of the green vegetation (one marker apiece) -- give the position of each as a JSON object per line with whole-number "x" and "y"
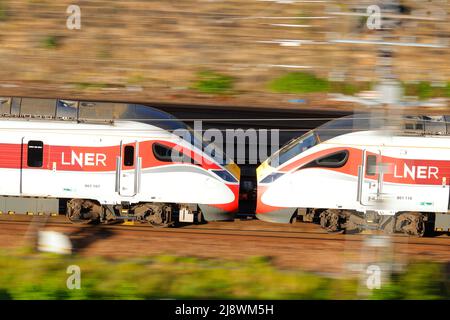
{"x": 50, "y": 42}
{"x": 104, "y": 54}
{"x": 88, "y": 85}
{"x": 301, "y": 82}
{"x": 424, "y": 281}
{"x": 350, "y": 88}
{"x": 135, "y": 79}
{"x": 213, "y": 82}
{"x": 3, "y": 13}
{"x": 424, "y": 90}
{"x": 43, "y": 276}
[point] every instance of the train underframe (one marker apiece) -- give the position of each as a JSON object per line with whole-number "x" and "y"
{"x": 161, "y": 215}
{"x": 87, "y": 211}
{"x": 348, "y": 221}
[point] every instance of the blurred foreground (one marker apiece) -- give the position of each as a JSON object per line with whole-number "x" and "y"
{"x": 43, "y": 276}
{"x": 246, "y": 259}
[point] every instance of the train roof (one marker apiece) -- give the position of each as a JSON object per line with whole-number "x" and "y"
{"x": 122, "y": 128}
{"x": 58, "y": 113}
{"x": 362, "y": 126}
{"x": 399, "y": 125}
{"x": 86, "y": 112}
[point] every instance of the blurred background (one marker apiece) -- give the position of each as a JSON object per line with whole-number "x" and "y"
{"x": 254, "y": 53}
{"x": 278, "y": 56}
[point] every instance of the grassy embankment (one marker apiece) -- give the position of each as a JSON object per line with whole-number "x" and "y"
{"x": 43, "y": 276}
{"x": 300, "y": 82}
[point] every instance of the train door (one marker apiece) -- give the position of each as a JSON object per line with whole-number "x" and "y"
{"x": 370, "y": 178}
{"x": 129, "y": 169}
{"x": 35, "y": 172}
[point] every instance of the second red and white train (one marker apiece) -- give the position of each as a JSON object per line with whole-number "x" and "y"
{"x": 359, "y": 178}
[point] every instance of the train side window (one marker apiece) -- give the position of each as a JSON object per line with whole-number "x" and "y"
{"x": 128, "y": 158}
{"x": 167, "y": 154}
{"x": 333, "y": 160}
{"x": 35, "y": 154}
{"x": 371, "y": 165}
{"x": 162, "y": 153}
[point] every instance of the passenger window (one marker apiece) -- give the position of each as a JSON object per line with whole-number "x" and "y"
{"x": 371, "y": 165}
{"x": 35, "y": 154}
{"x": 334, "y": 160}
{"x": 128, "y": 158}
{"x": 167, "y": 154}
{"x": 162, "y": 153}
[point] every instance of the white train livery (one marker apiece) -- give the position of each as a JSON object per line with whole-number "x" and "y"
{"x": 111, "y": 171}
{"x": 350, "y": 178}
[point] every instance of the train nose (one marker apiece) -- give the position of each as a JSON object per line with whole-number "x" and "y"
{"x": 218, "y": 213}
{"x": 223, "y": 211}
{"x": 269, "y": 213}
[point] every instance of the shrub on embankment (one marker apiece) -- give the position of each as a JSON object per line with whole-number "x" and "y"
{"x": 44, "y": 276}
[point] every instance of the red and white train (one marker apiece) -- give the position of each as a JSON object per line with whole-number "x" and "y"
{"x": 112, "y": 170}
{"x": 350, "y": 176}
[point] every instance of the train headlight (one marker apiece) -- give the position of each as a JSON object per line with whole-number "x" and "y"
{"x": 272, "y": 177}
{"x": 225, "y": 175}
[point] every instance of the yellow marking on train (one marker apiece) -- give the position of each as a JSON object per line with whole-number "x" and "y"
{"x": 53, "y": 214}
{"x": 234, "y": 169}
{"x": 128, "y": 223}
{"x": 11, "y": 212}
{"x": 30, "y": 213}
{"x": 40, "y": 213}
{"x": 1, "y": 212}
{"x": 264, "y": 170}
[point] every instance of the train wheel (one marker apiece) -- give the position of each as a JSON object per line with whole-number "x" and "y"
{"x": 330, "y": 220}
{"x": 157, "y": 215}
{"x": 411, "y": 223}
{"x": 81, "y": 211}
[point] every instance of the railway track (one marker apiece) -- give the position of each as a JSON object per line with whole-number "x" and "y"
{"x": 300, "y": 245}
{"x": 255, "y": 229}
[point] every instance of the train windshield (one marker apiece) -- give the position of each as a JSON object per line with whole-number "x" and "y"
{"x": 293, "y": 148}
{"x": 348, "y": 124}
{"x": 170, "y": 123}
{"x": 327, "y": 131}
